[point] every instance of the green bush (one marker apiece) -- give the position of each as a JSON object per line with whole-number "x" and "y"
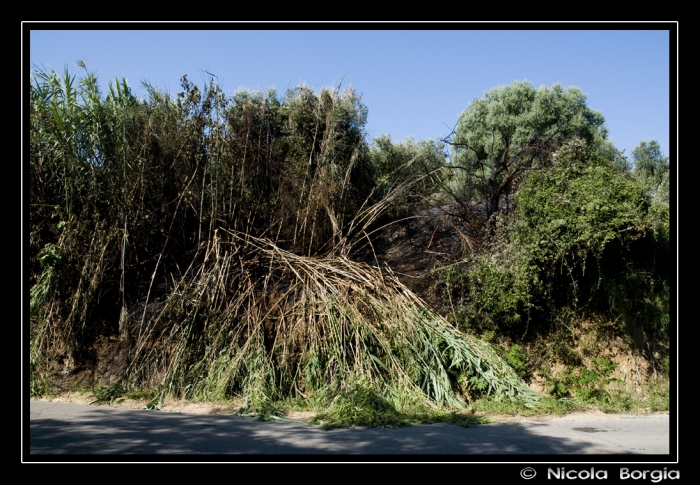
{"x": 516, "y": 357}
{"x": 596, "y": 240}
{"x": 569, "y": 215}
{"x": 583, "y": 238}
{"x": 492, "y": 292}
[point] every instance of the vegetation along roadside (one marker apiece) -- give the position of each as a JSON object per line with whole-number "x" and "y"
{"x": 259, "y": 249}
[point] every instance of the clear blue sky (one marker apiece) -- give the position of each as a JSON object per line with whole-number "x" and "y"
{"x": 413, "y": 82}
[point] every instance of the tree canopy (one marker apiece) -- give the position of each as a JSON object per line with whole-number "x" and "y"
{"x": 516, "y": 128}
{"x": 651, "y": 169}
{"x": 397, "y": 162}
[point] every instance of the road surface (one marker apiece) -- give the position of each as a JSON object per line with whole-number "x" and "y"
{"x": 62, "y": 428}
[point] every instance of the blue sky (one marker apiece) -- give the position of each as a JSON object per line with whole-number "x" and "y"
{"x": 413, "y": 82}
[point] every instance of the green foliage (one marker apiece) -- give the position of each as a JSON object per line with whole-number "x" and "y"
{"x": 155, "y": 404}
{"x": 651, "y": 170}
{"x": 576, "y": 209}
{"x": 516, "y": 357}
{"x": 586, "y": 384}
{"x": 514, "y": 129}
{"x": 359, "y": 404}
{"x": 397, "y": 162}
{"x": 593, "y": 386}
{"x": 595, "y": 239}
{"x": 638, "y": 297}
{"x": 49, "y": 257}
{"x": 478, "y": 383}
{"x": 606, "y": 149}
{"x": 659, "y": 393}
{"x": 147, "y": 394}
{"x": 654, "y": 397}
{"x": 39, "y": 383}
{"x": 583, "y": 238}
{"x": 259, "y": 404}
{"x": 494, "y": 292}
{"x": 500, "y": 293}
{"x": 107, "y": 394}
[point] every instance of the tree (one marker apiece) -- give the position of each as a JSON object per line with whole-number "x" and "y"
{"x": 514, "y": 129}
{"x": 607, "y": 149}
{"x": 395, "y": 162}
{"x": 651, "y": 169}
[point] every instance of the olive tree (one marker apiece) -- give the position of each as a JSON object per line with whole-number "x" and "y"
{"x": 514, "y": 129}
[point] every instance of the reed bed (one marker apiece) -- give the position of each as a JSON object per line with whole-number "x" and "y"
{"x": 214, "y": 235}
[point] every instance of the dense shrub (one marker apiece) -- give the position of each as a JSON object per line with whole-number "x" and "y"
{"x": 583, "y": 237}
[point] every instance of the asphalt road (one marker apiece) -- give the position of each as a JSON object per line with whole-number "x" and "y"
{"x": 62, "y": 428}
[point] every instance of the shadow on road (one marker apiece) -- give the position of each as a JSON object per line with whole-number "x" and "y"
{"x": 89, "y": 430}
